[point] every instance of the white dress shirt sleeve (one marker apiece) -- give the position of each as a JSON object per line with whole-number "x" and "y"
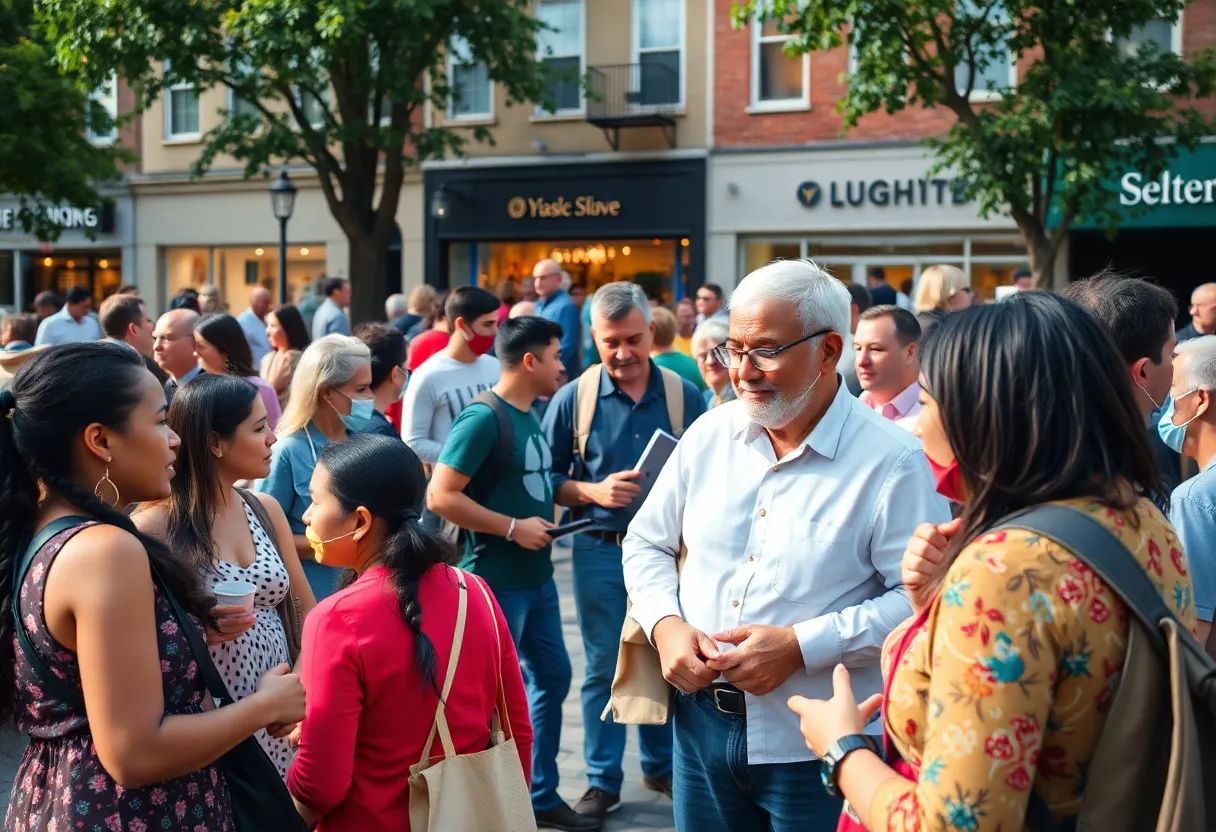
{"x": 854, "y": 636}
{"x": 417, "y": 414}
{"x": 652, "y": 545}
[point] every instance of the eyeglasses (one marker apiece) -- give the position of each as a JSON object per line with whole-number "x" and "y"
{"x": 763, "y": 359}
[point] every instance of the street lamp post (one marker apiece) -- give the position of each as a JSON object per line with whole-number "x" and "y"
{"x": 283, "y": 200}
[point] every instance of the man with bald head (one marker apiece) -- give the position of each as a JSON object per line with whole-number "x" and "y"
{"x": 253, "y": 323}
{"x": 554, "y": 304}
{"x": 1203, "y": 313}
{"x": 173, "y": 348}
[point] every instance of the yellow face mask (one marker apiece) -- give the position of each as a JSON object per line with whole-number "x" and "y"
{"x": 318, "y": 545}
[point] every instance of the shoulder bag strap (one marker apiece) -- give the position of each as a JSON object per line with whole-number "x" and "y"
{"x": 1105, "y": 554}
{"x": 290, "y": 611}
{"x": 500, "y": 707}
{"x": 588, "y": 394}
{"x": 202, "y": 656}
{"x": 440, "y": 725}
{"x": 673, "y": 391}
{"x": 260, "y": 512}
{"x": 491, "y": 470}
{"x": 58, "y": 688}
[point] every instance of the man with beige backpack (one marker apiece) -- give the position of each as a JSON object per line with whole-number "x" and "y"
{"x": 598, "y": 426}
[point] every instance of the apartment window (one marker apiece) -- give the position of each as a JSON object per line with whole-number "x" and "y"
{"x": 238, "y": 106}
{"x": 561, "y": 49}
{"x": 313, "y": 107}
{"x": 1161, "y": 32}
{"x": 777, "y": 79}
{"x": 995, "y": 68}
{"x": 105, "y": 97}
{"x": 470, "y": 83}
{"x": 181, "y": 110}
{"x": 658, "y": 48}
{"x": 386, "y": 103}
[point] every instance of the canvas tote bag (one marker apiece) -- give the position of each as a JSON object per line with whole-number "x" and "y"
{"x": 470, "y": 792}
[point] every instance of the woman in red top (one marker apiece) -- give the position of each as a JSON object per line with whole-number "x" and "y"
{"x": 372, "y": 661}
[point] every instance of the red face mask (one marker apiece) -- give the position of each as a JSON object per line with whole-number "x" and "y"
{"x": 948, "y": 479}
{"x": 480, "y": 344}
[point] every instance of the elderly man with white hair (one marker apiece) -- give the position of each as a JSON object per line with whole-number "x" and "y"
{"x": 598, "y": 426}
{"x": 1193, "y": 504}
{"x": 795, "y": 503}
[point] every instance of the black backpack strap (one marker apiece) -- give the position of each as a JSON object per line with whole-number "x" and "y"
{"x": 59, "y": 689}
{"x": 483, "y": 483}
{"x": 1102, "y": 551}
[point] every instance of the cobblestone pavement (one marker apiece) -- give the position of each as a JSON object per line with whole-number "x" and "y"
{"x": 642, "y": 810}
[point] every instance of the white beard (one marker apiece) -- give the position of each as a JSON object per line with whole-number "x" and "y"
{"x": 780, "y": 410}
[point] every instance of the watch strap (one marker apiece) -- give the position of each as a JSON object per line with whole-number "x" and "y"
{"x": 840, "y": 749}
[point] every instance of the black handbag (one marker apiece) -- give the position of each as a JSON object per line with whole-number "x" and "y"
{"x": 259, "y": 797}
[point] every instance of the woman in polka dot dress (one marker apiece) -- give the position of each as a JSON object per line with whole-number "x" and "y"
{"x": 222, "y": 424}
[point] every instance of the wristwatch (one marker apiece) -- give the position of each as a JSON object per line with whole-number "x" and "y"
{"x": 840, "y": 749}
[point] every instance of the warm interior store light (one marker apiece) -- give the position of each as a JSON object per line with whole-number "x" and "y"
{"x": 105, "y": 264}
{"x": 684, "y": 242}
{"x": 46, "y": 261}
{"x": 596, "y": 254}
{"x": 626, "y": 250}
{"x": 303, "y": 252}
{"x": 259, "y": 251}
{"x": 71, "y": 264}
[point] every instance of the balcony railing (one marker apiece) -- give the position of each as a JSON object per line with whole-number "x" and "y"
{"x": 633, "y": 95}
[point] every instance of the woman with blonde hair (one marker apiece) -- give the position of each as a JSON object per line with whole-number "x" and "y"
{"x": 331, "y": 398}
{"x": 942, "y": 289}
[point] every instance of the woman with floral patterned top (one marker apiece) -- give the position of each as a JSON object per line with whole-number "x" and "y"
{"x": 999, "y": 686}
{"x": 121, "y": 732}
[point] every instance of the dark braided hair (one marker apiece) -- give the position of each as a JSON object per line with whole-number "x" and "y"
{"x": 53, "y": 398}
{"x": 384, "y": 476}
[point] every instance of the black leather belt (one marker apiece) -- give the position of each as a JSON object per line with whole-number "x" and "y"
{"x": 605, "y": 536}
{"x": 728, "y": 699}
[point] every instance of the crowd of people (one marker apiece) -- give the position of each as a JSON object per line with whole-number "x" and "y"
{"x": 331, "y": 548}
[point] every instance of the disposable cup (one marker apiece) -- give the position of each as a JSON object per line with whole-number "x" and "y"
{"x": 239, "y": 593}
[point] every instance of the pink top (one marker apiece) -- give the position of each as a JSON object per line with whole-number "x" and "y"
{"x": 269, "y": 398}
{"x": 368, "y": 712}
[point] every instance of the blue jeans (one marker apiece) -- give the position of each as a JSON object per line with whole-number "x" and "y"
{"x": 600, "y": 600}
{"x": 323, "y": 580}
{"x": 715, "y": 789}
{"x": 534, "y": 617}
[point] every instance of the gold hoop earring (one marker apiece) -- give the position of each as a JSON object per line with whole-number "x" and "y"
{"x": 105, "y": 480}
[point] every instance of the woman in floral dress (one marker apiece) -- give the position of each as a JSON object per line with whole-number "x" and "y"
{"x": 107, "y": 690}
{"x": 1000, "y": 685}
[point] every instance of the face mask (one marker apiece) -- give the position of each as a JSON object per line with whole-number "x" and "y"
{"x": 948, "y": 479}
{"x": 1173, "y": 435}
{"x": 318, "y": 547}
{"x": 1152, "y": 418}
{"x": 479, "y": 344}
{"x": 361, "y": 411}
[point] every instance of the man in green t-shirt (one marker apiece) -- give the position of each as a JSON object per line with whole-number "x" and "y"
{"x": 503, "y": 499}
{"x": 665, "y": 354}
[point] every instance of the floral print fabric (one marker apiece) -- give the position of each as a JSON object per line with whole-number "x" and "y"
{"x": 61, "y": 785}
{"x": 1007, "y": 686}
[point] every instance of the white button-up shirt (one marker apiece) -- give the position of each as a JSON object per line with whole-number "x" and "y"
{"x": 813, "y": 541}
{"x": 62, "y": 328}
{"x": 255, "y": 333}
{"x": 904, "y": 410}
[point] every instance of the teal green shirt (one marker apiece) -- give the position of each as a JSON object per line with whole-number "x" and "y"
{"x": 524, "y": 490}
{"x": 682, "y": 365}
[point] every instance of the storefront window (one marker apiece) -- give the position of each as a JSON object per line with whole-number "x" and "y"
{"x": 989, "y": 260}
{"x": 659, "y": 266}
{"x": 8, "y": 286}
{"x": 238, "y": 270}
{"x": 98, "y": 271}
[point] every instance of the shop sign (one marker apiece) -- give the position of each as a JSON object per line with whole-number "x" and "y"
{"x": 1184, "y": 196}
{"x": 520, "y": 207}
{"x": 1170, "y": 189}
{"x": 882, "y": 193}
{"x": 66, "y": 217}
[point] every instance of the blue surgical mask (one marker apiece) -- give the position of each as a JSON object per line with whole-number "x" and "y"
{"x": 361, "y": 411}
{"x": 1171, "y": 434}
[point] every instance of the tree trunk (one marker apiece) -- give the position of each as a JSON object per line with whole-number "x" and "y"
{"x": 1040, "y": 247}
{"x": 368, "y": 287}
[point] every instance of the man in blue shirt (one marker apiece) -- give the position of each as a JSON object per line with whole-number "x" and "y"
{"x": 554, "y": 304}
{"x": 1193, "y": 504}
{"x": 630, "y": 407}
{"x": 331, "y": 315}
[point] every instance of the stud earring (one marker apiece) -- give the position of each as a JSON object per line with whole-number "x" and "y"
{"x": 106, "y": 481}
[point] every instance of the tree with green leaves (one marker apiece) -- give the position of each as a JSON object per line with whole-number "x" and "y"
{"x": 339, "y": 84}
{"x": 1094, "y": 97}
{"x": 45, "y": 116}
